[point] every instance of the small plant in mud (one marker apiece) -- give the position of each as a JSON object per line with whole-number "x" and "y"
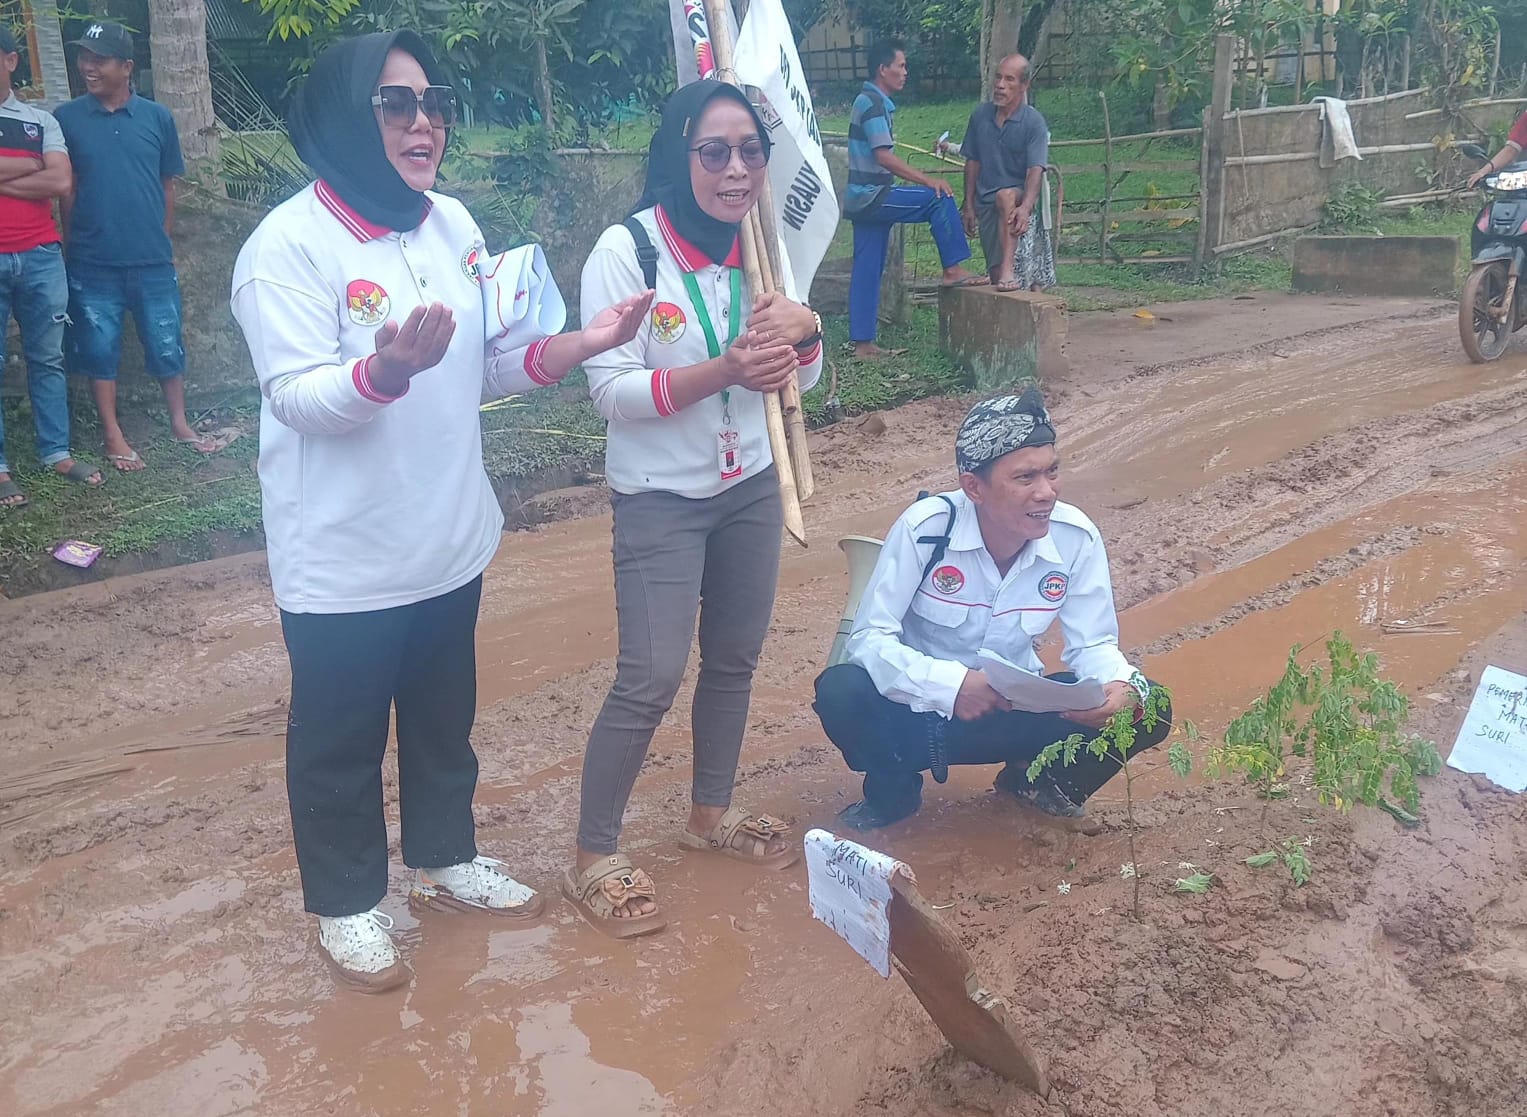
{"x": 1349, "y": 724}
{"x": 1116, "y": 742}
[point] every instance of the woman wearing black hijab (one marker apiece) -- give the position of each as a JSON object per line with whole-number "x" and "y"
{"x": 378, "y": 323}
{"x": 697, "y": 515}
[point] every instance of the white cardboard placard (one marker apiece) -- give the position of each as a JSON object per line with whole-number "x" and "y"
{"x": 850, "y": 887}
{"x": 1493, "y": 739}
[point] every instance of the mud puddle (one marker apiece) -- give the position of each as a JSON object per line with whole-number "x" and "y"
{"x": 156, "y": 957}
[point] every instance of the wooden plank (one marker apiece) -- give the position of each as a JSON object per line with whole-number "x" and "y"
{"x": 941, "y": 974}
{"x": 1114, "y": 261}
{"x": 1169, "y": 133}
{"x": 1187, "y": 214}
{"x": 1213, "y": 183}
{"x": 1165, "y": 166}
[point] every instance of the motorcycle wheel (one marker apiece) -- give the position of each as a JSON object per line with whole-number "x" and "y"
{"x": 1484, "y": 338}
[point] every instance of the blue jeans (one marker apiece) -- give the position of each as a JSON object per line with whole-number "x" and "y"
{"x": 32, "y": 286}
{"x": 99, "y": 301}
{"x": 872, "y": 236}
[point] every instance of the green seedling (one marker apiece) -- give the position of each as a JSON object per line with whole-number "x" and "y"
{"x": 1348, "y": 723}
{"x": 1296, "y": 860}
{"x": 1262, "y": 860}
{"x": 1116, "y": 742}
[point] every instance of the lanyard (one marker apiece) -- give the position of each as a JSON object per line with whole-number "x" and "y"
{"x": 734, "y": 324}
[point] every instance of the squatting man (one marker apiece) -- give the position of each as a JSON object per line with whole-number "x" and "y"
{"x": 990, "y": 566}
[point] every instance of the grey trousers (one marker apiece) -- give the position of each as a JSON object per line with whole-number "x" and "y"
{"x": 674, "y": 558}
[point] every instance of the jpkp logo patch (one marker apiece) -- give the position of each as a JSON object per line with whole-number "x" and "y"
{"x": 1052, "y": 587}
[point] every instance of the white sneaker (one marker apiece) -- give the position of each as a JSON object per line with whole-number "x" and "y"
{"x": 361, "y": 952}
{"x": 480, "y": 884}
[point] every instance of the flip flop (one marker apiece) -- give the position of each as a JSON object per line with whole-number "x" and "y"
{"x": 81, "y": 473}
{"x": 1009, "y": 285}
{"x": 9, "y": 489}
{"x": 130, "y": 459}
{"x": 969, "y": 281}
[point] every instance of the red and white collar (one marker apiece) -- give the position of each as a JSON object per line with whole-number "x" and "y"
{"x": 361, "y": 229}
{"x": 687, "y": 256}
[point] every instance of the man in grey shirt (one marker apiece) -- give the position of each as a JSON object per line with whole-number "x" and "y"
{"x": 1006, "y": 147}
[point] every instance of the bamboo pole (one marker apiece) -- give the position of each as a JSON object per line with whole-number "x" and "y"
{"x": 790, "y": 398}
{"x": 774, "y": 419}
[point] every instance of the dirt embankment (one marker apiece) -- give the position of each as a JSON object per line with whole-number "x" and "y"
{"x": 155, "y": 958}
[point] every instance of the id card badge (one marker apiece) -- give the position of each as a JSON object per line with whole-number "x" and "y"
{"x": 729, "y": 453}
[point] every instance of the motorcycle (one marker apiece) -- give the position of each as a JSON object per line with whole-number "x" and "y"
{"x": 1493, "y": 305}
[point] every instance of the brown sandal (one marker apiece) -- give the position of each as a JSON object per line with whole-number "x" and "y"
{"x": 608, "y": 884}
{"x": 746, "y": 837}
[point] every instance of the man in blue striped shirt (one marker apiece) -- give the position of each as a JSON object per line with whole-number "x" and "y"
{"x": 874, "y": 202}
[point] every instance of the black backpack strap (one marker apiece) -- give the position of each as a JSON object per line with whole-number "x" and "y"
{"x": 940, "y": 542}
{"x": 646, "y": 255}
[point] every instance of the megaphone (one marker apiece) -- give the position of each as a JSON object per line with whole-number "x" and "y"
{"x": 862, "y": 552}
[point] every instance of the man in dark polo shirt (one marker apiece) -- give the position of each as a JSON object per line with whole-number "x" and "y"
{"x": 34, "y": 170}
{"x": 1006, "y": 147}
{"x": 126, "y": 156}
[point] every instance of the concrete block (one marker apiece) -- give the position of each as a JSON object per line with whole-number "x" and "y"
{"x": 1003, "y": 338}
{"x": 1375, "y": 265}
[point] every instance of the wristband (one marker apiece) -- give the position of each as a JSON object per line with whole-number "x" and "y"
{"x": 808, "y": 342}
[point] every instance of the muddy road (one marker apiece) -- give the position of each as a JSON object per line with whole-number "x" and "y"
{"x": 1264, "y": 476}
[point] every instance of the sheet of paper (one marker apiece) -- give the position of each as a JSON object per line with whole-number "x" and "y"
{"x": 1493, "y": 739}
{"x": 1035, "y": 693}
{"x": 850, "y": 888}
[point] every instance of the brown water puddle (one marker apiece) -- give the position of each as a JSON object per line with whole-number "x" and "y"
{"x": 557, "y": 1019}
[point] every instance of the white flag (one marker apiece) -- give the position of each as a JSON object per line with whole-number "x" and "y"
{"x": 804, "y": 200}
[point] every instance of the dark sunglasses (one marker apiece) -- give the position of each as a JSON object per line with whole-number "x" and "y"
{"x": 400, "y": 105}
{"x": 716, "y": 154}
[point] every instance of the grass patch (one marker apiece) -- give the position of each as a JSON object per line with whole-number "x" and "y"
{"x": 181, "y": 496}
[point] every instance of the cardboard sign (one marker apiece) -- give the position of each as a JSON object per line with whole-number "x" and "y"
{"x": 1493, "y": 739}
{"x": 850, "y": 888}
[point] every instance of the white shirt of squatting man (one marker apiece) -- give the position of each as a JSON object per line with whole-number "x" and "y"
{"x": 652, "y": 446}
{"x": 371, "y": 502}
{"x": 918, "y": 636}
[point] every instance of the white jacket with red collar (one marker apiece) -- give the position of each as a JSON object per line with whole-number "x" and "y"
{"x": 652, "y": 445}
{"x": 917, "y": 636}
{"x": 371, "y": 501}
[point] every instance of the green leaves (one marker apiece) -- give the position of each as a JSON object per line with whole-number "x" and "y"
{"x": 1262, "y": 860}
{"x": 1196, "y": 884}
{"x": 1296, "y": 860}
{"x": 1344, "y": 719}
{"x": 1180, "y": 759}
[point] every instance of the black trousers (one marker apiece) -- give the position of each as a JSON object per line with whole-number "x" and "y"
{"x": 348, "y": 672}
{"x": 889, "y": 742}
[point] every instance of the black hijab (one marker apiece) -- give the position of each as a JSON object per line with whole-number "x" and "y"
{"x": 334, "y": 128}
{"x": 668, "y": 182}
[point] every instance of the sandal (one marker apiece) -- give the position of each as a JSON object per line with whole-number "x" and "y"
{"x": 81, "y": 473}
{"x": 9, "y": 491}
{"x": 968, "y": 281}
{"x": 126, "y": 463}
{"x": 1006, "y": 285}
{"x": 606, "y": 885}
{"x": 737, "y": 827}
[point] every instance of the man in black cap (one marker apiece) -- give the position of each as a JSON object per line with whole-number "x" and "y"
{"x": 989, "y": 567}
{"x": 34, "y": 170}
{"x": 126, "y": 155}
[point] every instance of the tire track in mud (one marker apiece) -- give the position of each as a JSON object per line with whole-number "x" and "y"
{"x": 1328, "y": 569}
{"x": 1334, "y": 478}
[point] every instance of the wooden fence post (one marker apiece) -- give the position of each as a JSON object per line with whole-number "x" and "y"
{"x": 1212, "y": 183}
